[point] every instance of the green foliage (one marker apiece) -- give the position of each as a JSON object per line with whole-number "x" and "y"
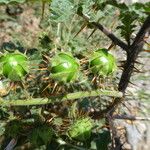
{"x": 2, "y": 129}
{"x": 103, "y": 140}
{"x": 61, "y": 10}
{"x": 45, "y": 41}
{"x": 128, "y": 25}
{"x": 40, "y": 0}
{"x": 129, "y": 16}
{"x": 20, "y": 1}
{"x": 41, "y": 135}
{"x": 66, "y": 24}
{"x": 11, "y": 1}
{"x": 14, "y": 128}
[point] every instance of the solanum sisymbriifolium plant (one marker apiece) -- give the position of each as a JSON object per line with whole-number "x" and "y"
{"x": 64, "y": 67}
{"x": 14, "y": 66}
{"x": 57, "y": 81}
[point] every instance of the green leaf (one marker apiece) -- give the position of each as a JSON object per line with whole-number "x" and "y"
{"x": 142, "y": 6}
{"x": 11, "y": 1}
{"x": 13, "y": 128}
{"x": 2, "y": 129}
{"x": 103, "y": 140}
{"x": 41, "y": 135}
{"x": 61, "y": 10}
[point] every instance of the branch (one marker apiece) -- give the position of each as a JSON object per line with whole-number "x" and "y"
{"x": 106, "y": 32}
{"x": 144, "y": 29}
{"x": 132, "y": 55}
{"x": 111, "y": 36}
{"x": 53, "y": 99}
{"x": 131, "y": 117}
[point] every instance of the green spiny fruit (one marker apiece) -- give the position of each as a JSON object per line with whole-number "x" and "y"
{"x": 81, "y": 129}
{"x": 102, "y": 63}
{"x": 64, "y": 68}
{"x": 14, "y": 66}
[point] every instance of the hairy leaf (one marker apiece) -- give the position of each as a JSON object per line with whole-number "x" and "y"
{"x": 11, "y": 1}
{"x": 61, "y": 10}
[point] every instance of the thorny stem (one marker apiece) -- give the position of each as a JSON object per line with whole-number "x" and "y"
{"x": 132, "y": 54}
{"x": 132, "y": 118}
{"x": 109, "y": 34}
{"x": 53, "y": 99}
{"x": 43, "y": 9}
{"x": 132, "y": 51}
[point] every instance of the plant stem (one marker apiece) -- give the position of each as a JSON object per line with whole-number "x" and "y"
{"x": 129, "y": 117}
{"x": 109, "y": 34}
{"x": 64, "y": 97}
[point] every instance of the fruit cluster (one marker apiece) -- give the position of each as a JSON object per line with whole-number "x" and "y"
{"x": 63, "y": 66}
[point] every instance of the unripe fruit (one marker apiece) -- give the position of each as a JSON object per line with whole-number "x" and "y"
{"x": 64, "y": 68}
{"x": 102, "y": 63}
{"x": 14, "y": 66}
{"x": 81, "y": 129}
